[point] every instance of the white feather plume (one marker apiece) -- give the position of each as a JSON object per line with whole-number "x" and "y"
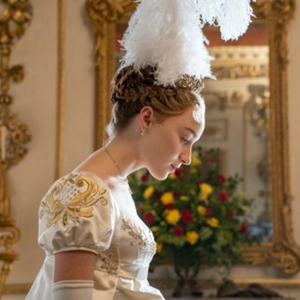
{"x": 233, "y": 16}
{"x": 168, "y": 34}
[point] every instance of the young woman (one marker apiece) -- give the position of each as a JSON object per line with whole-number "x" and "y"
{"x": 96, "y": 245}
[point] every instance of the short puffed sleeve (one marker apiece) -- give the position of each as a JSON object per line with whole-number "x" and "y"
{"x": 77, "y": 213}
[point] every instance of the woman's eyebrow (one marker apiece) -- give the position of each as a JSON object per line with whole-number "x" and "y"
{"x": 190, "y": 130}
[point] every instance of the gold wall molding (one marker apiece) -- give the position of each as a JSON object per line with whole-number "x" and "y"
{"x": 61, "y": 90}
{"x": 103, "y": 15}
{"x": 15, "y": 17}
{"x": 236, "y": 62}
{"x": 282, "y": 252}
{"x": 19, "y": 288}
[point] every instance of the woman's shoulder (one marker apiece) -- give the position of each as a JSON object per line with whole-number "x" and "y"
{"x": 80, "y": 180}
{"x": 77, "y": 185}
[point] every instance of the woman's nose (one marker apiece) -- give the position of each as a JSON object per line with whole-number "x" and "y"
{"x": 186, "y": 158}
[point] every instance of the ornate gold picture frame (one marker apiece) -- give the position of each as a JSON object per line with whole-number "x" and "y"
{"x": 282, "y": 252}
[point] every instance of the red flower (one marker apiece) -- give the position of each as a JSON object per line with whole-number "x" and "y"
{"x": 149, "y": 218}
{"x": 223, "y": 196}
{"x": 231, "y": 215}
{"x": 186, "y": 215}
{"x": 221, "y": 179}
{"x": 169, "y": 206}
{"x": 185, "y": 212}
{"x": 178, "y": 231}
{"x": 208, "y": 211}
{"x": 244, "y": 228}
{"x": 177, "y": 194}
{"x": 145, "y": 178}
{"x": 187, "y": 219}
{"x": 178, "y": 173}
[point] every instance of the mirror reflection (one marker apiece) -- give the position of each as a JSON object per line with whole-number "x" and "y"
{"x": 238, "y": 114}
{"x": 238, "y": 117}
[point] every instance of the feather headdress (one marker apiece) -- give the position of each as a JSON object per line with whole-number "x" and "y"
{"x": 168, "y": 34}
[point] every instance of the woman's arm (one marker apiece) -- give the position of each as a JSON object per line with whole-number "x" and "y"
{"x": 73, "y": 275}
{"x": 74, "y": 265}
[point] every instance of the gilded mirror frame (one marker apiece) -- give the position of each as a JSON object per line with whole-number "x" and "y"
{"x": 282, "y": 252}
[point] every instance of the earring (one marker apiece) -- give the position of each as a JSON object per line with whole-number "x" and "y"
{"x": 143, "y": 132}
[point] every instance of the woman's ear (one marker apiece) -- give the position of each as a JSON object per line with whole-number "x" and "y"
{"x": 146, "y": 117}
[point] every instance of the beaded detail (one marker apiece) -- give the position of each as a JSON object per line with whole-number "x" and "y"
{"x": 146, "y": 243}
{"x": 107, "y": 263}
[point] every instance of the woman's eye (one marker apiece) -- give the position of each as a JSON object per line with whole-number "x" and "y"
{"x": 184, "y": 141}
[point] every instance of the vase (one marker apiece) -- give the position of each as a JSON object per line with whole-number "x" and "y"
{"x": 186, "y": 266}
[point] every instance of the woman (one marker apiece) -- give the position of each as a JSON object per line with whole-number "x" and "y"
{"x": 96, "y": 245}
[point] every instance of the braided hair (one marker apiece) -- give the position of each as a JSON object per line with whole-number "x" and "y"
{"x": 132, "y": 90}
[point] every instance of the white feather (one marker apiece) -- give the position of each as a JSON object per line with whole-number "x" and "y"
{"x": 233, "y": 16}
{"x": 168, "y": 34}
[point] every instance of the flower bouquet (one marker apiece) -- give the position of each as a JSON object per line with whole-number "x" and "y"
{"x": 197, "y": 215}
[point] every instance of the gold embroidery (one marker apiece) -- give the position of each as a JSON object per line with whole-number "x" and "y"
{"x": 148, "y": 245}
{"x": 108, "y": 263}
{"x": 72, "y": 197}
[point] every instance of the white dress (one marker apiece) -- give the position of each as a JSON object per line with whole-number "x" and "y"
{"x": 79, "y": 212}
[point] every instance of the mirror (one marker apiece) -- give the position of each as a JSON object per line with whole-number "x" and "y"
{"x": 246, "y": 115}
{"x": 237, "y": 118}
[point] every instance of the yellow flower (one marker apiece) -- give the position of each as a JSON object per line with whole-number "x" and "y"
{"x": 213, "y": 222}
{"x": 159, "y": 247}
{"x": 139, "y": 174}
{"x": 201, "y": 210}
{"x": 192, "y": 237}
{"x": 148, "y": 192}
{"x": 196, "y": 160}
{"x": 205, "y": 191}
{"x": 173, "y": 216}
{"x": 154, "y": 228}
{"x": 172, "y": 176}
{"x": 167, "y": 198}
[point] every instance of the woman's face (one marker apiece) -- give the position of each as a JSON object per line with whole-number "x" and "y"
{"x": 167, "y": 145}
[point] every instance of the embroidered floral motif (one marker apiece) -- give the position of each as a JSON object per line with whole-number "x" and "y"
{"x": 107, "y": 263}
{"x": 146, "y": 243}
{"x": 72, "y": 198}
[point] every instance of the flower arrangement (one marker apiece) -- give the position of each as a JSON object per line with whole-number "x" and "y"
{"x": 196, "y": 213}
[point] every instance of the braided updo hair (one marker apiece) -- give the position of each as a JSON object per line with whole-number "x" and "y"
{"x": 132, "y": 90}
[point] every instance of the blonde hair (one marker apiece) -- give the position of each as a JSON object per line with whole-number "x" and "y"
{"x": 132, "y": 90}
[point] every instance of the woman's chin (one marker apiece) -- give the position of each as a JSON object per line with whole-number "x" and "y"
{"x": 159, "y": 176}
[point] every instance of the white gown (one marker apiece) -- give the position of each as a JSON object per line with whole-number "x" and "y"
{"x": 80, "y": 213}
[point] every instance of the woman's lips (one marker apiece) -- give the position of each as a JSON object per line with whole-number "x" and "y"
{"x": 173, "y": 168}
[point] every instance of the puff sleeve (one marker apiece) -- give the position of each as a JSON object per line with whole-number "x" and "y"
{"x": 76, "y": 214}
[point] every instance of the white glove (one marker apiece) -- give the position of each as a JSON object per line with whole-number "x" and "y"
{"x": 73, "y": 290}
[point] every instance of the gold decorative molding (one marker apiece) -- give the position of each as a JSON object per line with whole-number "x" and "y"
{"x": 61, "y": 91}
{"x": 282, "y": 252}
{"x": 103, "y": 15}
{"x": 15, "y": 17}
{"x": 236, "y": 62}
{"x": 15, "y": 289}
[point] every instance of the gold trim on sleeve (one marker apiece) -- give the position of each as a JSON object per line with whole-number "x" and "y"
{"x": 72, "y": 198}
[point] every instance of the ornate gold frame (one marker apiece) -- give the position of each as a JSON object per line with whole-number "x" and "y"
{"x": 282, "y": 252}
{"x": 61, "y": 88}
